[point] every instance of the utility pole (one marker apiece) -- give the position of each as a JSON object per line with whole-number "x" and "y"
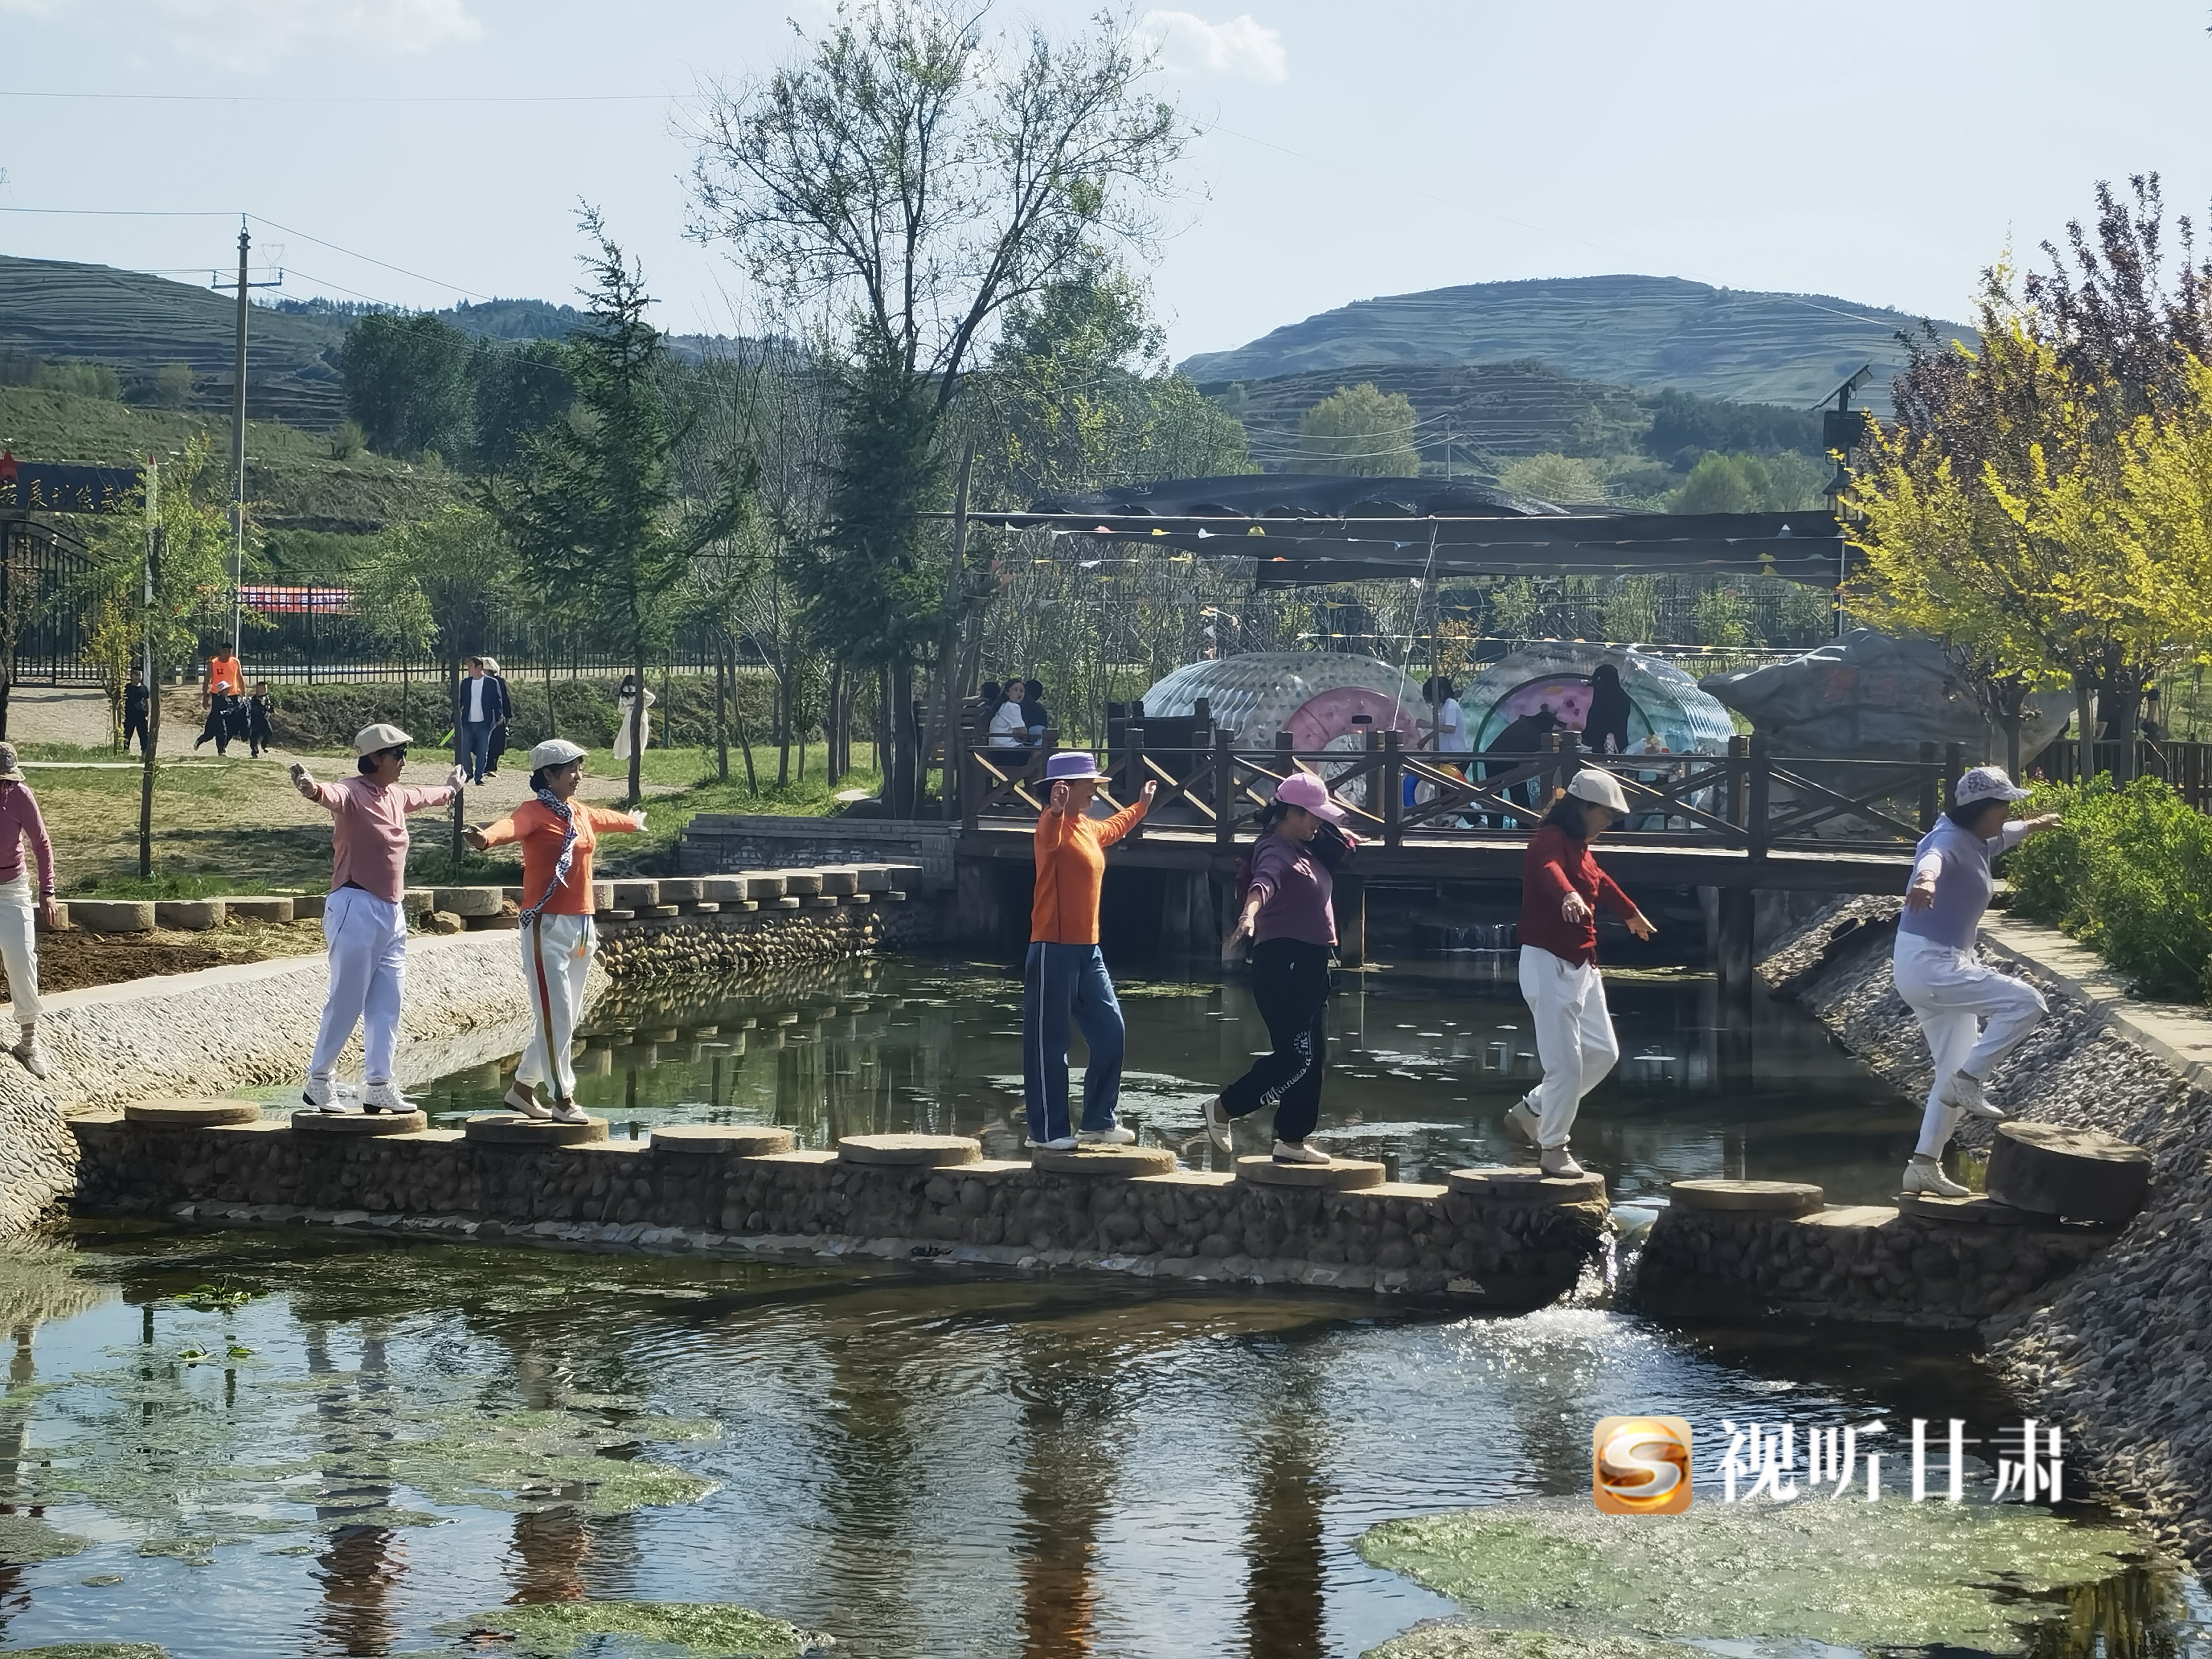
{"x": 238, "y": 446}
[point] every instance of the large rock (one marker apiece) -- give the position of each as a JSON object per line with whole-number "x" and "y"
{"x": 1867, "y": 696}
{"x": 2079, "y": 1175}
{"x": 112, "y": 916}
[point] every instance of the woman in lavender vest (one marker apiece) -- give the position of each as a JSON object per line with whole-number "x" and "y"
{"x": 1940, "y": 978}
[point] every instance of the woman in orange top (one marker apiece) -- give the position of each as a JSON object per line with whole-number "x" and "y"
{"x": 557, "y": 833}
{"x": 1064, "y": 978}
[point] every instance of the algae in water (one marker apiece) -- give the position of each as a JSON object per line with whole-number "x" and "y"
{"x": 93, "y": 1650}
{"x": 1851, "y": 1574}
{"x": 1449, "y": 1640}
{"x": 704, "y": 1629}
{"x": 25, "y": 1540}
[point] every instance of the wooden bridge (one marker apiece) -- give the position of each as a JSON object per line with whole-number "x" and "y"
{"x": 1740, "y": 821}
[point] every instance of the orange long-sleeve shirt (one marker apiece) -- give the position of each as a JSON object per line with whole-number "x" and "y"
{"x": 1071, "y": 857}
{"x": 536, "y": 826}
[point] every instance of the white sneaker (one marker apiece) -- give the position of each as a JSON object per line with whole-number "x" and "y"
{"x": 1965, "y": 1091}
{"x": 1297, "y": 1151}
{"x": 321, "y": 1095}
{"x": 1217, "y": 1126}
{"x": 1559, "y": 1161}
{"x": 1521, "y": 1123}
{"x": 1065, "y": 1144}
{"x": 1925, "y": 1175}
{"x": 1114, "y": 1135}
{"x": 568, "y": 1112}
{"x": 524, "y": 1099}
{"x": 33, "y": 1053}
{"x": 383, "y": 1098}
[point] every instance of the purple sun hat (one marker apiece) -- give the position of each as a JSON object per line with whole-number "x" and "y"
{"x": 1071, "y": 766}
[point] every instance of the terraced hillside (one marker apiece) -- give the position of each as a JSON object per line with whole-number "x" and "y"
{"x": 1642, "y": 331}
{"x": 135, "y": 323}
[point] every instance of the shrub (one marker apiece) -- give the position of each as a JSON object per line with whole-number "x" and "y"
{"x": 2129, "y": 873}
{"x": 312, "y": 717}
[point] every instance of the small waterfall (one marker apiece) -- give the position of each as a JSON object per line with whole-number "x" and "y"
{"x": 1608, "y": 1278}
{"x": 1482, "y": 936}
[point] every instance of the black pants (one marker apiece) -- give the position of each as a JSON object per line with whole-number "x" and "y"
{"x": 218, "y": 727}
{"x": 135, "y": 725}
{"x": 1290, "y": 981}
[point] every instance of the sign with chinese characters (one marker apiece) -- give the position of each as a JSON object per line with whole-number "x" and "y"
{"x": 1641, "y": 1465}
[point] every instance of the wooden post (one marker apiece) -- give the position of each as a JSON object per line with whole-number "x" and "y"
{"x": 1931, "y": 792}
{"x": 1394, "y": 790}
{"x": 1954, "y": 762}
{"x": 1134, "y": 753}
{"x": 1760, "y": 781}
{"x": 1285, "y": 763}
{"x": 971, "y": 788}
{"x": 1739, "y": 909}
{"x": 1224, "y": 788}
{"x": 1351, "y": 921}
{"x": 1737, "y": 795}
{"x": 956, "y": 763}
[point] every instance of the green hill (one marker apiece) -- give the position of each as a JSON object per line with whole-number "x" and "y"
{"x": 291, "y": 474}
{"x": 1642, "y": 331}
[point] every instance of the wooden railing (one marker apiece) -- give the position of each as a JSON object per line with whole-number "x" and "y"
{"x": 1746, "y": 799}
{"x": 2186, "y": 766}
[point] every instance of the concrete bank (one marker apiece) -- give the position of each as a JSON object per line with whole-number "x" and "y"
{"x": 1485, "y": 1238}
{"x": 2119, "y": 1352}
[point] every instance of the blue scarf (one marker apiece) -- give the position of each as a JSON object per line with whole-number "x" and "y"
{"x": 561, "y": 810}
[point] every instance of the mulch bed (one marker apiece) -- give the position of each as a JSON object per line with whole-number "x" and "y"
{"x": 73, "y": 958}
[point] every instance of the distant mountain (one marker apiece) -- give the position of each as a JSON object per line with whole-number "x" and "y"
{"x": 1642, "y": 331}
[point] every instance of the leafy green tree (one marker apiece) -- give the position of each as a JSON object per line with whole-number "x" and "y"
{"x": 1361, "y": 432}
{"x": 1631, "y": 611}
{"x": 514, "y": 391}
{"x": 173, "y": 385}
{"x": 1750, "y": 484}
{"x": 1554, "y": 477}
{"x": 1721, "y": 616}
{"x": 408, "y": 383}
{"x": 905, "y": 182}
{"x": 593, "y": 505}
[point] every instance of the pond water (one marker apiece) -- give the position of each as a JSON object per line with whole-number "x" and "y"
{"x": 266, "y": 1443}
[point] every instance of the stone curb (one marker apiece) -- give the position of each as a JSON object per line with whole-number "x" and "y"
{"x": 359, "y": 1124}
{"x": 2178, "y": 1037}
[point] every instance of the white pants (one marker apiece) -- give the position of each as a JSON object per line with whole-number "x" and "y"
{"x": 19, "y": 944}
{"x": 368, "y": 938}
{"x": 1574, "y": 1038}
{"x": 557, "y": 959}
{"x": 1952, "y": 993}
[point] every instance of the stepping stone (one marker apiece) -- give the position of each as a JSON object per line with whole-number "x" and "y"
{"x": 785, "y": 904}
{"x": 764, "y": 886}
{"x": 466, "y": 901}
{"x": 1761, "y": 1197}
{"x": 680, "y": 890}
{"x": 261, "y": 909}
{"x": 309, "y": 906}
{"x": 1526, "y": 1184}
{"x": 911, "y": 1151}
{"x": 2081, "y": 1175}
{"x": 1978, "y": 1209}
{"x": 741, "y": 1141}
{"x": 659, "y": 912}
{"x": 513, "y": 1129}
{"x": 191, "y": 1114}
{"x": 1339, "y": 1174}
{"x": 703, "y": 908}
{"x": 841, "y": 880}
{"x": 802, "y": 883}
{"x": 112, "y": 916}
{"x": 1122, "y": 1161}
{"x": 602, "y": 896}
{"x": 636, "y": 895}
{"x": 416, "y": 900}
{"x": 188, "y": 915}
{"x": 721, "y": 890}
{"x": 359, "y": 1123}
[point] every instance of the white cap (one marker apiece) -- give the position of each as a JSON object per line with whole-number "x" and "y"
{"x": 1985, "y": 783}
{"x": 1600, "y": 789}
{"x": 370, "y": 739}
{"x": 553, "y": 751}
{"x": 490, "y": 664}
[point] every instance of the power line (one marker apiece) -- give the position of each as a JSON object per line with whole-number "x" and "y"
{"x": 365, "y": 98}
{"x": 370, "y": 258}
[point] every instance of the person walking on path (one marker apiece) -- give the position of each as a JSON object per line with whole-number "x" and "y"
{"x": 1943, "y": 980}
{"x": 221, "y": 718}
{"x": 223, "y": 670}
{"x": 479, "y": 706}
{"x": 1063, "y": 977}
{"x": 134, "y": 712}
{"x": 364, "y": 919}
{"x": 19, "y": 910}
{"x": 498, "y": 732}
{"x": 1561, "y": 888}
{"x": 558, "y": 834}
{"x": 258, "y": 707}
{"x": 1289, "y": 915}
{"x": 625, "y": 701}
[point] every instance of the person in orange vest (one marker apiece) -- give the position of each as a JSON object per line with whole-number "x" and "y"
{"x": 1063, "y": 977}
{"x": 222, "y": 671}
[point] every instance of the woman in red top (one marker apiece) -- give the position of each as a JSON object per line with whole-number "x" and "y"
{"x": 557, "y": 833}
{"x": 1561, "y": 887}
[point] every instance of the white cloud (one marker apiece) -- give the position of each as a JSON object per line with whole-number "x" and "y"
{"x": 1243, "y": 46}
{"x": 254, "y": 34}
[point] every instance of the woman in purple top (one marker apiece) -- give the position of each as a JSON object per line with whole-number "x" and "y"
{"x": 19, "y": 944}
{"x": 1287, "y": 917}
{"x": 1943, "y": 980}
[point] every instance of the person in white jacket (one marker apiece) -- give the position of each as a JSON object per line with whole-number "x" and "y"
{"x": 625, "y": 703}
{"x": 1972, "y": 1015}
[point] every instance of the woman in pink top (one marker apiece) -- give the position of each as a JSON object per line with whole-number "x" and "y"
{"x": 19, "y": 944}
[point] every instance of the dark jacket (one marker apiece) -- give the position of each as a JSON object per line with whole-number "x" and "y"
{"x": 257, "y": 710}
{"x": 1609, "y": 714}
{"x": 1524, "y": 736}
{"x": 494, "y": 700}
{"x": 134, "y": 702}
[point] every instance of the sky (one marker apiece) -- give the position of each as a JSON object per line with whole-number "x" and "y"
{"x": 419, "y": 152}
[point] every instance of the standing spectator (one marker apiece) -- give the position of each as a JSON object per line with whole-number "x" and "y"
{"x": 1522, "y": 741}
{"x": 19, "y": 946}
{"x": 557, "y": 833}
{"x": 625, "y": 701}
{"x": 134, "y": 711}
{"x": 223, "y": 670}
{"x": 505, "y": 702}
{"x": 221, "y": 718}
{"x": 1450, "y": 736}
{"x": 1006, "y": 728}
{"x": 1034, "y": 721}
{"x": 364, "y": 919}
{"x": 1063, "y": 977}
{"x": 479, "y": 705}
{"x": 258, "y": 707}
{"x": 1606, "y": 728}
{"x": 1289, "y": 917}
{"x": 1561, "y": 888}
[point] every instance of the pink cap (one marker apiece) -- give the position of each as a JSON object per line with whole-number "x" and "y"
{"x": 1303, "y": 789}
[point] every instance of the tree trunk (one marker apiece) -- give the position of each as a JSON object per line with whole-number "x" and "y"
{"x": 833, "y": 727}
{"x": 2085, "y": 719}
{"x": 899, "y": 801}
{"x": 884, "y": 736}
{"x": 745, "y": 737}
{"x": 2121, "y": 704}
{"x": 783, "y": 727}
{"x": 153, "y": 741}
{"x": 637, "y": 730}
